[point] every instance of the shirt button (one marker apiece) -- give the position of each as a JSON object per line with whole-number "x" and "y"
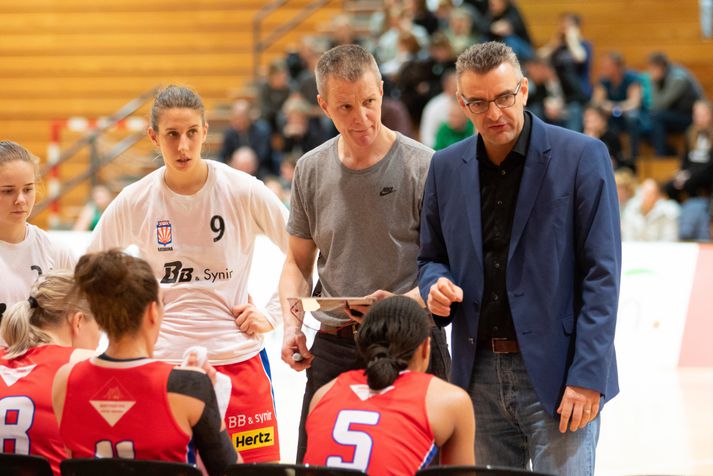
{"x": 500, "y": 203}
{"x": 502, "y": 172}
{"x": 497, "y": 265}
{"x": 495, "y": 329}
{"x": 496, "y": 297}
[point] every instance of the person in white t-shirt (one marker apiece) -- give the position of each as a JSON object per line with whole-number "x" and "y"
{"x": 195, "y": 221}
{"x": 25, "y": 250}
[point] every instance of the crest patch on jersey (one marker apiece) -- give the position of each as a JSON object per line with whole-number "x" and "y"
{"x": 164, "y": 235}
{"x": 365, "y": 393}
{"x": 112, "y": 402}
{"x": 11, "y": 375}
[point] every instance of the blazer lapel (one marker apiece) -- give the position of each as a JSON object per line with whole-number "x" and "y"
{"x": 538, "y": 156}
{"x": 470, "y": 183}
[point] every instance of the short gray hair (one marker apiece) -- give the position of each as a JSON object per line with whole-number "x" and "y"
{"x": 485, "y": 57}
{"x": 345, "y": 62}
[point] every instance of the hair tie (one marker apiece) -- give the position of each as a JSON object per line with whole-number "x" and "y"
{"x": 33, "y": 302}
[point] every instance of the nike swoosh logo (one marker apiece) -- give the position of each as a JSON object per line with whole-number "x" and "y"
{"x": 386, "y": 191}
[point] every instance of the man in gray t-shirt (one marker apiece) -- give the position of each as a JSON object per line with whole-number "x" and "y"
{"x": 356, "y": 204}
{"x": 365, "y": 223}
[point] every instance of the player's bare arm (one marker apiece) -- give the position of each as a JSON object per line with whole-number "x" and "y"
{"x": 295, "y": 281}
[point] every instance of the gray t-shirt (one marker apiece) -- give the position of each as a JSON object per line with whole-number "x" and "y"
{"x": 365, "y": 223}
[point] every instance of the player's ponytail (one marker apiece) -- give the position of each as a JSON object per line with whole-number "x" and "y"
{"x": 118, "y": 288}
{"x": 49, "y": 306}
{"x": 392, "y": 331}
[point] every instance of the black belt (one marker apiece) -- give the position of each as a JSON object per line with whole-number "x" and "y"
{"x": 347, "y": 331}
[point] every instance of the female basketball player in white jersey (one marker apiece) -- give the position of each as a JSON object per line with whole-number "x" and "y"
{"x": 25, "y": 250}
{"x": 195, "y": 221}
{"x": 43, "y": 332}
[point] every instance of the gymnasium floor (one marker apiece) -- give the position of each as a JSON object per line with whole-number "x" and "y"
{"x": 660, "y": 423}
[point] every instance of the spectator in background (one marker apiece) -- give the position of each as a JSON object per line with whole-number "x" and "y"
{"x": 287, "y": 170}
{"x": 506, "y": 24}
{"x": 706, "y": 9}
{"x": 545, "y": 98}
{"x": 245, "y": 160}
{"x": 410, "y": 81}
{"x": 456, "y": 128}
{"x": 459, "y": 31}
{"x": 422, "y": 16}
{"x": 625, "y": 187}
{"x": 649, "y": 216}
{"x": 274, "y": 184}
{"x": 244, "y": 131}
{"x": 673, "y": 92}
{"x": 571, "y": 56}
{"x": 443, "y": 12}
{"x": 394, "y": 113}
{"x": 695, "y": 176}
{"x": 341, "y": 31}
{"x": 399, "y": 21}
{"x": 311, "y": 49}
{"x": 479, "y": 6}
{"x": 619, "y": 93}
{"x": 273, "y": 93}
{"x": 436, "y": 110}
{"x": 302, "y": 131}
{"x": 92, "y": 211}
{"x": 440, "y": 60}
{"x": 407, "y": 51}
{"x": 595, "y": 125}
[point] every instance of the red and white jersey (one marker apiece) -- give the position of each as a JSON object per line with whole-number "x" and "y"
{"x": 380, "y": 433}
{"x": 121, "y": 410}
{"x": 27, "y": 421}
{"x": 21, "y": 264}
{"x": 200, "y": 248}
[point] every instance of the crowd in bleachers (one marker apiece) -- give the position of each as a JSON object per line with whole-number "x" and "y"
{"x": 635, "y": 113}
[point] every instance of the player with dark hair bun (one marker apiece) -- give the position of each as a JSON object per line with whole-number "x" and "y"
{"x": 392, "y": 417}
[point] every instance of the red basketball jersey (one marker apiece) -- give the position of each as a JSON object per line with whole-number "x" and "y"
{"x": 381, "y": 433}
{"x": 121, "y": 410}
{"x": 27, "y": 421}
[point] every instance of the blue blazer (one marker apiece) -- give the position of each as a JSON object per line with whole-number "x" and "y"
{"x": 564, "y": 260}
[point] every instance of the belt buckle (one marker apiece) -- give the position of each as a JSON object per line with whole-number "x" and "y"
{"x": 493, "y": 342}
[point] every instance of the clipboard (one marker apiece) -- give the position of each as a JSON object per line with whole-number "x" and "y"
{"x": 325, "y": 304}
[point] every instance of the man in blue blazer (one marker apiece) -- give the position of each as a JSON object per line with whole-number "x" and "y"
{"x": 521, "y": 251}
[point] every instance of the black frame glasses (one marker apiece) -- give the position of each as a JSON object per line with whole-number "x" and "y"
{"x": 479, "y": 106}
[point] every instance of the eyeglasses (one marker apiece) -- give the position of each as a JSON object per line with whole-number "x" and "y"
{"x": 479, "y": 106}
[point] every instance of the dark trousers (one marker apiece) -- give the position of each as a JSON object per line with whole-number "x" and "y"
{"x": 334, "y": 355}
{"x": 663, "y": 123}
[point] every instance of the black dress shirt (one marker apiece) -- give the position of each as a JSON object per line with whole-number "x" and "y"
{"x": 499, "y": 186}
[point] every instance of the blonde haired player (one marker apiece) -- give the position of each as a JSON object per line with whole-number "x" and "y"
{"x": 195, "y": 222}
{"x": 49, "y": 328}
